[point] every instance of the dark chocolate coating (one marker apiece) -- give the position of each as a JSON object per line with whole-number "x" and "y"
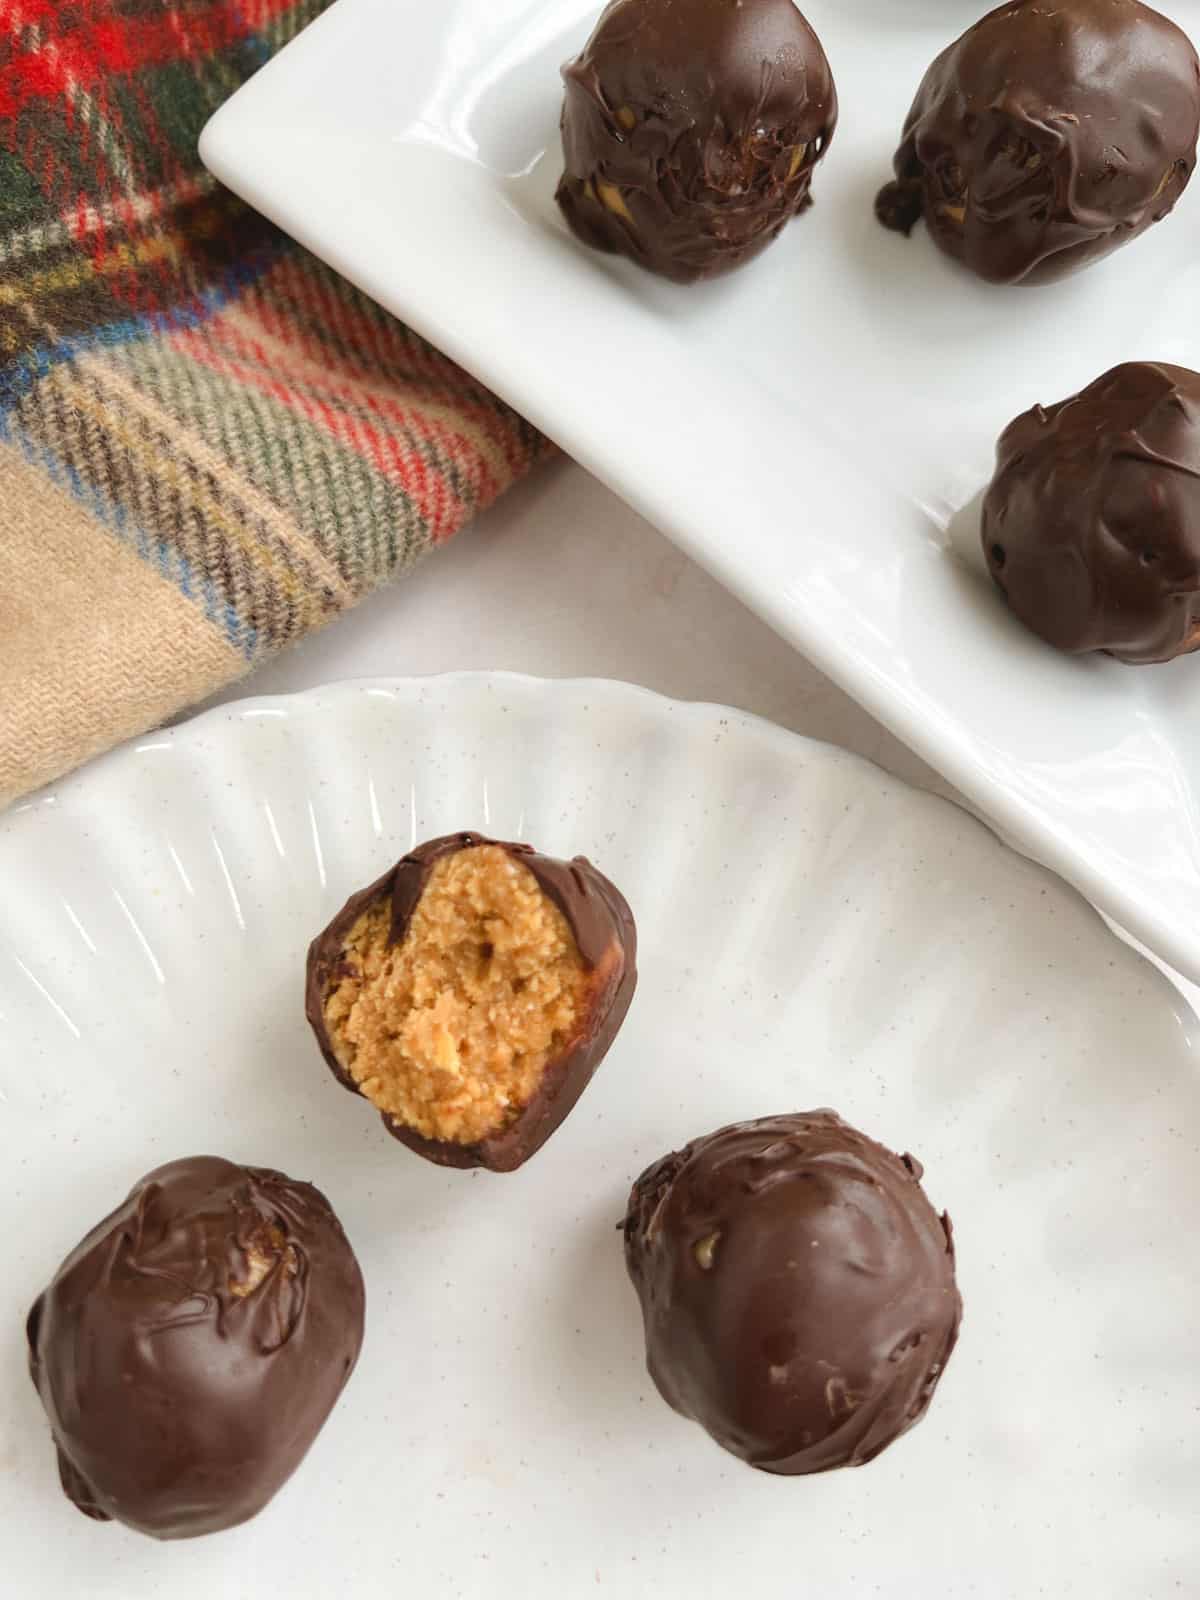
{"x": 694, "y": 111}
{"x": 1091, "y": 525}
{"x": 178, "y": 1406}
{"x": 1047, "y": 136}
{"x": 603, "y": 928}
{"x": 797, "y": 1290}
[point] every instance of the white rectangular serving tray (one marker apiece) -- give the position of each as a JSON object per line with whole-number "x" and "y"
{"x": 813, "y": 430}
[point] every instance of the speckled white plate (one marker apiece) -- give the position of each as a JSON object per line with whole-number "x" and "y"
{"x": 809, "y": 429}
{"x": 812, "y": 933}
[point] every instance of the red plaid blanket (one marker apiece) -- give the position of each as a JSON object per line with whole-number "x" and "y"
{"x": 209, "y": 443}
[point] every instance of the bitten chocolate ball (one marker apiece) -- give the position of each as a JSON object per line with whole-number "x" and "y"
{"x": 470, "y": 994}
{"x": 797, "y": 1290}
{"x": 1047, "y": 136}
{"x": 690, "y": 131}
{"x": 191, "y": 1347}
{"x": 1091, "y": 525}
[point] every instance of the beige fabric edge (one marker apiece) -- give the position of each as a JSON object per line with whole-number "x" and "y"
{"x": 95, "y": 646}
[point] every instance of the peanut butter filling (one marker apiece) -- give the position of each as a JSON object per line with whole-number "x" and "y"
{"x": 450, "y": 1031}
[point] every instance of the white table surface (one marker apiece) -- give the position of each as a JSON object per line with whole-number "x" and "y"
{"x": 562, "y": 579}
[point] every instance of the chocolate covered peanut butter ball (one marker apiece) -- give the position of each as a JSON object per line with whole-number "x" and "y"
{"x": 190, "y": 1348}
{"x": 470, "y": 993}
{"x": 691, "y": 129}
{"x": 797, "y": 1290}
{"x": 1091, "y": 524}
{"x": 1047, "y": 136}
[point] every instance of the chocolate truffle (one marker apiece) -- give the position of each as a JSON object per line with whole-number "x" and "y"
{"x": 1091, "y": 525}
{"x": 797, "y": 1290}
{"x": 1047, "y": 136}
{"x": 691, "y": 129}
{"x": 190, "y": 1348}
{"x": 470, "y": 993}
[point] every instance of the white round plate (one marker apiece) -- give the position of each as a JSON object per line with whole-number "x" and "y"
{"x": 813, "y": 933}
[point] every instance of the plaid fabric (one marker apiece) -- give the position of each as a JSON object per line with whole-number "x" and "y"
{"x": 209, "y": 443}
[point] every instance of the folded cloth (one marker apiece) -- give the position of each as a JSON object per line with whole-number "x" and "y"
{"x": 209, "y": 443}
